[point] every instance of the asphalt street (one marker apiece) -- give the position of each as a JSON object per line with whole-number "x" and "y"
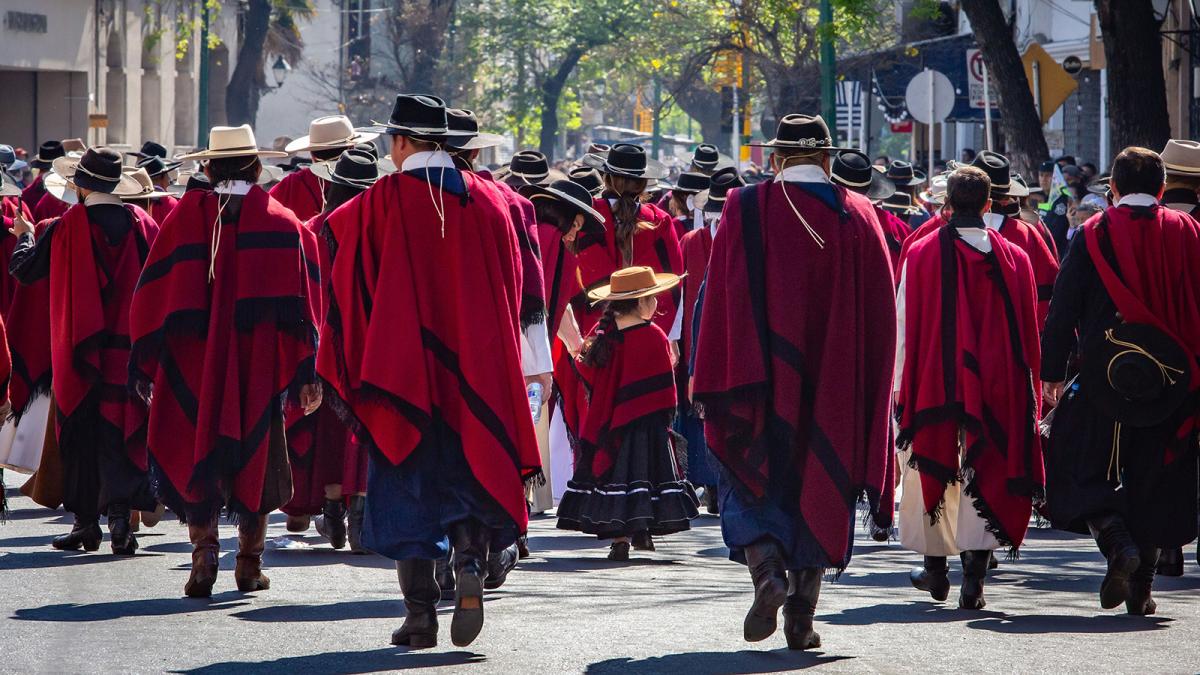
{"x": 564, "y": 610}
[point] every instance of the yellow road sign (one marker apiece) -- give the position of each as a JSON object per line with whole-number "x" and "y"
{"x": 1050, "y": 84}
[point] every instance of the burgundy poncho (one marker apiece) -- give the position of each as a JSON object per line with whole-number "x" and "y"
{"x": 92, "y": 282}
{"x": 971, "y": 356}
{"x": 637, "y": 383}
{"x": 895, "y": 232}
{"x": 220, "y": 352}
{"x": 795, "y": 356}
{"x": 301, "y": 192}
{"x": 1157, "y": 281}
{"x": 34, "y": 191}
{"x": 49, "y": 206}
{"x": 30, "y": 346}
{"x": 696, "y": 247}
{"x": 424, "y": 321}
{"x": 524, "y": 220}
{"x": 657, "y": 248}
{"x": 161, "y": 208}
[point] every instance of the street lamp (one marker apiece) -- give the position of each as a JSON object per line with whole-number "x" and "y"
{"x": 280, "y": 71}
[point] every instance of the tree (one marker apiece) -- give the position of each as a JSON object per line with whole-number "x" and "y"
{"x": 1137, "y": 99}
{"x": 269, "y": 29}
{"x": 1019, "y": 119}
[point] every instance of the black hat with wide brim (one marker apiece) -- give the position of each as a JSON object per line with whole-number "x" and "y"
{"x": 420, "y": 116}
{"x": 566, "y": 192}
{"x": 354, "y": 168}
{"x": 801, "y": 132}
{"x": 692, "y": 182}
{"x": 903, "y": 174}
{"x": 463, "y": 121}
{"x": 852, "y": 169}
{"x": 1136, "y": 374}
{"x": 625, "y": 159}
{"x": 588, "y": 178}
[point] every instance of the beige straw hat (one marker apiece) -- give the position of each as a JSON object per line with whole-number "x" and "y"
{"x": 328, "y": 133}
{"x": 232, "y": 142}
{"x": 1181, "y": 158}
{"x": 149, "y": 189}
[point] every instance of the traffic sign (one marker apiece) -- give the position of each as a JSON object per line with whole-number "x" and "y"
{"x": 1072, "y": 64}
{"x": 975, "y": 88}
{"x": 930, "y": 97}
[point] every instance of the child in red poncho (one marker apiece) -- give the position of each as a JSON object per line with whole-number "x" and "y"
{"x": 627, "y": 486}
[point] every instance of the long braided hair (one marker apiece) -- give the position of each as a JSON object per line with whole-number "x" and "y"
{"x": 597, "y": 349}
{"x": 628, "y": 194}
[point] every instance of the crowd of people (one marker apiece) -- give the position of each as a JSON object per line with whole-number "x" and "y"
{"x": 395, "y": 342}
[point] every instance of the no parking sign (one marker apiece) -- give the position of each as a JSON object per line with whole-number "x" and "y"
{"x": 975, "y": 70}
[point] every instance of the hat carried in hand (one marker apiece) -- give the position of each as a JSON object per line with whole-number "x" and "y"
{"x": 632, "y": 283}
{"x": 852, "y": 169}
{"x": 1181, "y": 158}
{"x": 329, "y": 133}
{"x": 802, "y": 132}
{"x": 47, "y": 152}
{"x": 232, "y": 142}
{"x": 354, "y": 169}
{"x": 1136, "y": 374}
{"x": 626, "y": 159}
{"x": 98, "y": 169}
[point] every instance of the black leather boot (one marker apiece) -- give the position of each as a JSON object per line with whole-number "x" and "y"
{"x": 84, "y": 534}
{"x": 993, "y": 563}
{"x": 523, "y": 546}
{"x": 1122, "y": 554}
{"x": 933, "y": 577}
{"x": 804, "y": 586}
{"x": 331, "y": 524}
{"x": 499, "y": 564}
{"x": 769, "y": 572}
{"x": 1170, "y": 562}
{"x": 421, "y": 593}
{"x": 975, "y": 567}
{"x": 444, "y": 573}
{"x": 471, "y": 540}
{"x": 354, "y": 525}
{"x": 642, "y": 541}
{"x": 120, "y": 530}
{"x": 1140, "y": 603}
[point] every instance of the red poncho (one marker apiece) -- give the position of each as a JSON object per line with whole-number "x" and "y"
{"x": 795, "y": 356}
{"x": 302, "y": 192}
{"x": 49, "y": 206}
{"x": 637, "y": 383}
{"x": 657, "y": 248}
{"x": 161, "y": 208}
{"x": 971, "y": 356}
{"x": 11, "y": 206}
{"x": 1156, "y": 281}
{"x": 34, "y": 192}
{"x": 424, "y": 322}
{"x": 92, "y": 282}
{"x": 220, "y": 353}
{"x": 1019, "y": 232}
{"x": 30, "y": 346}
{"x": 696, "y": 246}
{"x": 560, "y": 275}
{"x": 524, "y": 220}
{"x": 895, "y": 232}
{"x": 5, "y": 364}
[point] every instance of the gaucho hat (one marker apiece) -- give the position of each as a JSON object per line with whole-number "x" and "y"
{"x": 852, "y": 169}
{"x": 1136, "y": 374}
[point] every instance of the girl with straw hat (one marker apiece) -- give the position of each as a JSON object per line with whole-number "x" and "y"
{"x": 627, "y": 482}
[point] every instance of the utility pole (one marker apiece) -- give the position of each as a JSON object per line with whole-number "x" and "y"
{"x": 202, "y": 117}
{"x": 656, "y": 137}
{"x": 828, "y": 66}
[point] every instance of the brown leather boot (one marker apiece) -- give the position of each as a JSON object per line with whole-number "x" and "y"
{"x": 769, "y": 572}
{"x": 471, "y": 541}
{"x": 804, "y": 587}
{"x": 206, "y": 547}
{"x": 252, "y": 539}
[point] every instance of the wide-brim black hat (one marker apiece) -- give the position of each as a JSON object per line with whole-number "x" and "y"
{"x": 904, "y": 174}
{"x": 419, "y": 116}
{"x": 588, "y": 178}
{"x": 528, "y": 167}
{"x": 155, "y": 166}
{"x": 997, "y": 168}
{"x": 150, "y": 149}
{"x": 692, "y": 182}
{"x": 465, "y": 122}
{"x": 47, "y": 153}
{"x": 626, "y": 159}
{"x": 723, "y": 182}
{"x": 568, "y": 192}
{"x": 705, "y": 157}
{"x": 1136, "y": 374}
{"x": 852, "y": 169}
{"x": 99, "y": 169}
{"x": 353, "y": 168}
{"x": 901, "y": 202}
{"x": 801, "y": 132}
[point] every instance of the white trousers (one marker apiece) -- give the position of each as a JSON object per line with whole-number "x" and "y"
{"x": 960, "y": 527}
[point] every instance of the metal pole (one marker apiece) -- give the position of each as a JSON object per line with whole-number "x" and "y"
{"x": 341, "y": 102}
{"x": 931, "y": 122}
{"x": 202, "y": 46}
{"x": 828, "y": 63}
{"x": 987, "y": 109}
{"x": 736, "y": 141}
{"x": 1037, "y": 89}
{"x": 656, "y": 129}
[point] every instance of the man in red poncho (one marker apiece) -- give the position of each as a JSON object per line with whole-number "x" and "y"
{"x": 421, "y": 353}
{"x": 93, "y": 255}
{"x": 1121, "y": 460}
{"x": 47, "y": 153}
{"x": 328, "y": 137}
{"x": 852, "y": 170}
{"x": 967, "y": 357}
{"x": 223, "y": 331}
{"x": 160, "y": 171}
{"x": 793, "y": 366}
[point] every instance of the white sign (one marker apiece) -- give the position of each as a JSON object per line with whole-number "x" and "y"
{"x": 975, "y": 90}
{"x": 929, "y": 97}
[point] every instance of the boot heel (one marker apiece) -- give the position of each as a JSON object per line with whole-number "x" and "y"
{"x": 467, "y": 621}
{"x": 420, "y": 641}
{"x": 91, "y": 546}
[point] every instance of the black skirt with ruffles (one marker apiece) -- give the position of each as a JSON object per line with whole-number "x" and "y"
{"x": 643, "y": 492}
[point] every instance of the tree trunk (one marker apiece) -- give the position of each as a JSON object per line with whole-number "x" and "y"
{"x": 702, "y": 104}
{"x": 245, "y": 85}
{"x": 552, "y": 88}
{"x": 1019, "y": 121}
{"x": 427, "y": 40}
{"x": 1137, "y": 98}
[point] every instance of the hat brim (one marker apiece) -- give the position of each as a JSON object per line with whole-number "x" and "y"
{"x": 547, "y": 192}
{"x": 326, "y": 171}
{"x": 125, "y": 187}
{"x": 909, "y": 209}
{"x": 505, "y": 172}
{"x": 168, "y": 166}
{"x": 8, "y": 189}
{"x": 663, "y": 281}
{"x": 907, "y": 182}
{"x": 60, "y": 189}
{"x": 304, "y": 144}
{"x": 153, "y": 194}
{"x": 599, "y": 161}
{"x": 879, "y": 188}
{"x": 1181, "y": 170}
{"x": 1094, "y": 375}
{"x": 222, "y": 154}
{"x": 790, "y": 145}
{"x": 419, "y": 133}
{"x": 477, "y": 142}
